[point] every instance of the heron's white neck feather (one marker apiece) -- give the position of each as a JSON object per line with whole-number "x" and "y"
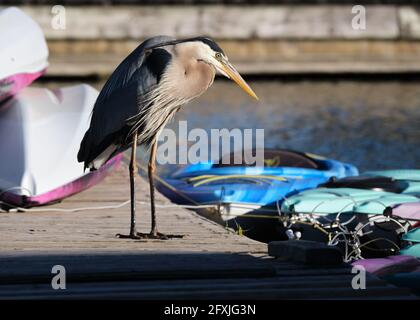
{"x": 184, "y": 79}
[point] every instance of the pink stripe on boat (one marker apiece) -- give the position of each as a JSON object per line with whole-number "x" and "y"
{"x": 64, "y": 191}
{"x": 13, "y": 84}
{"x": 389, "y": 265}
{"x": 409, "y": 211}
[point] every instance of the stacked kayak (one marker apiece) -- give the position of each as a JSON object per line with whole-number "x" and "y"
{"x": 248, "y": 196}
{"x": 404, "y": 269}
{"x": 369, "y": 193}
{"x": 389, "y": 265}
{"x": 413, "y": 239}
{"x": 401, "y": 270}
{"x": 408, "y": 210}
{"x": 23, "y": 51}
{"x": 40, "y": 134}
{"x": 377, "y": 209}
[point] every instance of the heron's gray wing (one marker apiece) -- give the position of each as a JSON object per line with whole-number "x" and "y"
{"x": 120, "y": 98}
{"x": 124, "y": 73}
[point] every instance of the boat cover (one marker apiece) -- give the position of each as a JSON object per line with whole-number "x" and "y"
{"x": 23, "y": 51}
{"x": 40, "y": 134}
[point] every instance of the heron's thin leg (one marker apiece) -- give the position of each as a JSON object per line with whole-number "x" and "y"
{"x": 133, "y": 173}
{"x": 151, "y": 171}
{"x": 154, "y": 234}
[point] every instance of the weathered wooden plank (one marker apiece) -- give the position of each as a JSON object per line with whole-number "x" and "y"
{"x": 96, "y": 229}
{"x": 235, "y": 292}
{"x": 199, "y": 285}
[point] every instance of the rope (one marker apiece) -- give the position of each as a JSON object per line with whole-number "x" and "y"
{"x": 211, "y": 178}
{"x": 373, "y": 240}
{"x": 215, "y": 207}
{"x": 117, "y": 206}
{"x": 139, "y": 165}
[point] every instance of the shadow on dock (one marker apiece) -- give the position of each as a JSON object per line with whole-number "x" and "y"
{"x": 208, "y": 263}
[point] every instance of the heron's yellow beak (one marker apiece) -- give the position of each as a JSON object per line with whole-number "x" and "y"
{"x": 235, "y": 76}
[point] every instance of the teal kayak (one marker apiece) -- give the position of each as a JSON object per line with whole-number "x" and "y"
{"x": 412, "y": 236}
{"x": 413, "y": 250}
{"x": 370, "y": 193}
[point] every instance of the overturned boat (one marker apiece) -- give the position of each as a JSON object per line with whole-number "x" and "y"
{"x": 277, "y": 162}
{"x": 248, "y": 197}
{"x": 23, "y": 51}
{"x": 40, "y": 134}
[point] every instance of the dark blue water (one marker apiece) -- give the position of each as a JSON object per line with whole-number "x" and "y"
{"x": 374, "y": 125}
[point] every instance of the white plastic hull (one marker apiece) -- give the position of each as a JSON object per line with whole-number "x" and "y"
{"x": 23, "y": 51}
{"x": 40, "y": 134}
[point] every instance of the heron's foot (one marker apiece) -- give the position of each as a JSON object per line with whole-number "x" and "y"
{"x": 128, "y": 236}
{"x": 159, "y": 236}
{"x": 151, "y": 235}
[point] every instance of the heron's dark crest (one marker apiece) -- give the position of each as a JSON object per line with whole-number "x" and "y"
{"x": 208, "y": 41}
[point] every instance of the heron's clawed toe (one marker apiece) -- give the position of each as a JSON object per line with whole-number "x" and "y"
{"x": 159, "y": 236}
{"x": 151, "y": 236}
{"x": 128, "y": 236}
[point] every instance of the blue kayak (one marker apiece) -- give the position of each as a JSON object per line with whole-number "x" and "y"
{"x": 278, "y": 162}
{"x": 248, "y": 197}
{"x": 255, "y": 190}
{"x": 260, "y": 186}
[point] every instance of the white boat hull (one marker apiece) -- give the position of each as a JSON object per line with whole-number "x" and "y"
{"x": 23, "y": 51}
{"x": 40, "y": 134}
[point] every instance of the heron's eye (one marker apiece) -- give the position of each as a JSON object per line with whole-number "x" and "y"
{"x": 218, "y": 56}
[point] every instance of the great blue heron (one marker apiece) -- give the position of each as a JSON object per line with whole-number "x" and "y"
{"x": 142, "y": 95}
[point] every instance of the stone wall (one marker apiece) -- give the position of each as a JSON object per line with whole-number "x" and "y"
{"x": 200, "y": 2}
{"x": 230, "y": 22}
{"x": 262, "y": 39}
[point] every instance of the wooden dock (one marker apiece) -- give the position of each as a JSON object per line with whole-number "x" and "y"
{"x": 209, "y": 262}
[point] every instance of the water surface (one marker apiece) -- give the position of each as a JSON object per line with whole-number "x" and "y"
{"x": 374, "y": 125}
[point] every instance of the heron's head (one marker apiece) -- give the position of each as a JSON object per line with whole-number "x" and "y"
{"x": 209, "y": 51}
